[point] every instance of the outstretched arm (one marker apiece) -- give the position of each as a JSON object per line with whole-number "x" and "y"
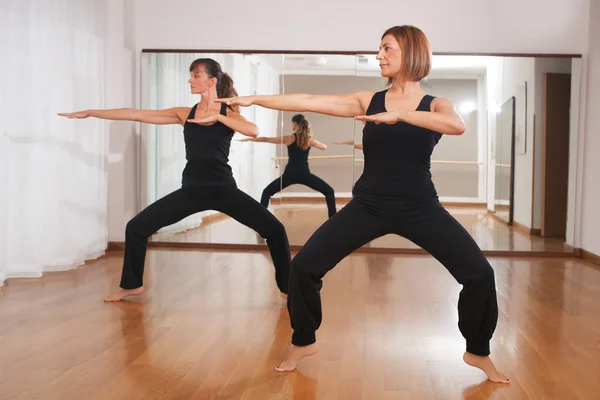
{"x": 317, "y": 145}
{"x": 443, "y": 118}
{"x": 350, "y": 143}
{"x": 176, "y": 115}
{"x": 287, "y": 140}
{"x": 348, "y": 105}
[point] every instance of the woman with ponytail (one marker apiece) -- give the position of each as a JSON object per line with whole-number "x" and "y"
{"x": 297, "y": 171}
{"x": 207, "y": 182}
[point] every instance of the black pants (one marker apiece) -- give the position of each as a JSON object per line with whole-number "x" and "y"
{"x": 190, "y": 200}
{"x": 424, "y": 222}
{"x": 303, "y": 178}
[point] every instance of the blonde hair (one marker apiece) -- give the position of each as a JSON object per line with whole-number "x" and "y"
{"x": 416, "y": 53}
{"x": 304, "y": 134}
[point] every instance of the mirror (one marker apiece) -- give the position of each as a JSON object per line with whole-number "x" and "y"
{"x": 316, "y": 180}
{"x": 503, "y": 167}
{"x": 491, "y": 178}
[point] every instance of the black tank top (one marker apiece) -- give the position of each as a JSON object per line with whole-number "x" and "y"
{"x": 397, "y": 157}
{"x": 207, "y": 153}
{"x": 297, "y": 158}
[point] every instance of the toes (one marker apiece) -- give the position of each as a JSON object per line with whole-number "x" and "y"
{"x": 283, "y": 368}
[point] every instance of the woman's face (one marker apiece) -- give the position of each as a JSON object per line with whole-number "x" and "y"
{"x": 389, "y": 57}
{"x": 199, "y": 81}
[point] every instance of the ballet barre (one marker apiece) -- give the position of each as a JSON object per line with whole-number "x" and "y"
{"x": 503, "y": 165}
{"x": 317, "y": 157}
{"x": 442, "y": 162}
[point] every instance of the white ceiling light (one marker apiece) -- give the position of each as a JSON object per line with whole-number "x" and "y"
{"x": 467, "y": 107}
{"x": 318, "y": 61}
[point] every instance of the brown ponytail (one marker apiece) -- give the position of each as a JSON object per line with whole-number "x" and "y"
{"x": 304, "y": 133}
{"x": 225, "y": 87}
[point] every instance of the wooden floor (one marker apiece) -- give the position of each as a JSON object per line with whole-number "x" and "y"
{"x": 301, "y": 220}
{"x": 211, "y": 326}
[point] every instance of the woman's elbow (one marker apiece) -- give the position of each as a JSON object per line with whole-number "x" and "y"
{"x": 253, "y": 131}
{"x": 459, "y": 129}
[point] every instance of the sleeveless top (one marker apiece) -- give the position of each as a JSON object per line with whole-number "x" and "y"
{"x": 397, "y": 157}
{"x": 297, "y": 158}
{"x": 207, "y": 153}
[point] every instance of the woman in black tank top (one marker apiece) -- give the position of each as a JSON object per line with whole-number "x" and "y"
{"x": 297, "y": 170}
{"x": 395, "y": 194}
{"x": 207, "y": 181}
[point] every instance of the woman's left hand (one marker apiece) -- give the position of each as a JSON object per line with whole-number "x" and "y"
{"x": 390, "y": 117}
{"x": 208, "y": 120}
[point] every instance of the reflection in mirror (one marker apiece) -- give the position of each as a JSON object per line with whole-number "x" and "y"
{"x": 464, "y": 168}
{"x": 165, "y": 85}
{"x": 316, "y": 182}
{"x": 503, "y": 167}
{"x": 458, "y": 162}
{"x": 472, "y": 172}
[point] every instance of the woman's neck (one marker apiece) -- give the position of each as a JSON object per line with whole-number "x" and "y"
{"x": 207, "y": 100}
{"x": 406, "y": 87}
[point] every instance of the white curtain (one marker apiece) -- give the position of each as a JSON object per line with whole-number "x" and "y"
{"x": 165, "y": 85}
{"x": 53, "y": 171}
{"x": 264, "y": 168}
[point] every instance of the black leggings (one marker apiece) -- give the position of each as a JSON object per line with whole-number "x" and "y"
{"x": 187, "y": 201}
{"x": 424, "y": 222}
{"x": 302, "y": 178}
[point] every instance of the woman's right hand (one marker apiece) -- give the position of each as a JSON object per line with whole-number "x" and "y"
{"x": 78, "y": 114}
{"x": 242, "y": 101}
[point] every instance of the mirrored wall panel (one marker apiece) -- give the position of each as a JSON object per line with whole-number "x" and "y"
{"x": 303, "y": 165}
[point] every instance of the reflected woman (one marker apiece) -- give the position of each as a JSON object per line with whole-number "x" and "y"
{"x": 297, "y": 171}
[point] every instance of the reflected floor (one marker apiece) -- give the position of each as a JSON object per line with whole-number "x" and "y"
{"x": 301, "y": 220}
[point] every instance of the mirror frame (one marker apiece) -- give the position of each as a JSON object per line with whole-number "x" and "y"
{"x": 243, "y": 246}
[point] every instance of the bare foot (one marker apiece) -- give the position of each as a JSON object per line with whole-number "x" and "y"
{"x": 485, "y": 364}
{"x": 122, "y": 293}
{"x": 296, "y": 354}
{"x": 283, "y": 295}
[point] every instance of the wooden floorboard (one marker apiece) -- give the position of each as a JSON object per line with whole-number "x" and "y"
{"x": 211, "y": 326}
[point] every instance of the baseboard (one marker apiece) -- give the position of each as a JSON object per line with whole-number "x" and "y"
{"x": 115, "y": 246}
{"x": 517, "y": 226}
{"x": 457, "y": 204}
{"x": 235, "y": 247}
{"x": 214, "y": 217}
{"x": 522, "y": 228}
{"x": 346, "y": 199}
{"x": 589, "y": 256}
{"x": 308, "y": 200}
{"x": 576, "y": 251}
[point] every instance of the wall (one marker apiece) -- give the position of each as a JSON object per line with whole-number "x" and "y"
{"x": 590, "y": 190}
{"x": 564, "y": 29}
{"x": 268, "y": 24}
